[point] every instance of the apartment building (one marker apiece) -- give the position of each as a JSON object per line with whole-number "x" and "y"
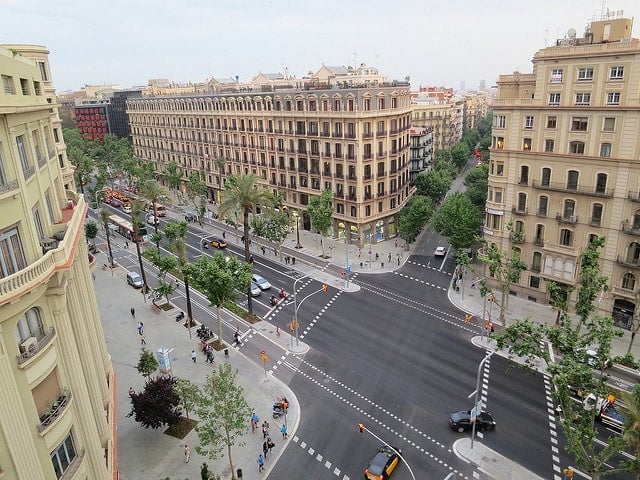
{"x": 421, "y": 150}
{"x": 353, "y": 141}
{"x": 565, "y": 165}
{"x": 56, "y": 381}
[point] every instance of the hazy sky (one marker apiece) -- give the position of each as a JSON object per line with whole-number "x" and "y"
{"x": 127, "y": 42}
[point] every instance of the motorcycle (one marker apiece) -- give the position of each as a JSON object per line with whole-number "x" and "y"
{"x": 283, "y": 294}
{"x": 204, "y": 333}
{"x": 278, "y": 410}
{"x": 179, "y": 316}
{"x": 273, "y": 301}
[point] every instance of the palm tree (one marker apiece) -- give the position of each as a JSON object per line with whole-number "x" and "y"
{"x": 136, "y": 212}
{"x": 104, "y": 215}
{"x": 220, "y": 163}
{"x": 154, "y": 192}
{"x": 176, "y": 234}
{"x": 242, "y": 195}
{"x": 631, "y": 431}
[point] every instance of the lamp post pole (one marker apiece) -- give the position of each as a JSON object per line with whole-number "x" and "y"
{"x": 297, "y": 217}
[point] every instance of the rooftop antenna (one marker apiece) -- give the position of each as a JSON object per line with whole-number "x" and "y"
{"x": 355, "y": 60}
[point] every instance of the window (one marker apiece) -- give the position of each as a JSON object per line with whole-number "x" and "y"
{"x": 613, "y": 98}
{"x": 3, "y": 174}
{"x": 585, "y": 74}
{"x": 616, "y": 73}
{"x": 62, "y": 456}
{"x": 522, "y": 202}
{"x": 579, "y": 124}
{"x": 569, "y": 209}
{"x": 629, "y": 281}
{"x": 556, "y": 75}
{"x": 12, "y": 257}
{"x": 524, "y": 175}
{"x": 528, "y": 121}
{"x": 7, "y": 84}
{"x": 572, "y": 180}
{"x": 554, "y": 99}
{"x": 24, "y": 86}
{"x": 30, "y": 325}
{"x": 546, "y": 176}
{"x": 499, "y": 168}
{"x": 498, "y": 195}
{"x": 583, "y": 98}
{"x": 576, "y": 147}
{"x": 596, "y": 214}
{"x": 22, "y": 153}
{"x": 43, "y": 71}
{"x": 539, "y": 240}
{"x": 552, "y": 121}
{"x": 633, "y": 253}
{"x": 543, "y": 203}
{"x": 605, "y": 150}
{"x": 354, "y": 212}
{"x": 500, "y": 121}
{"x": 548, "y": 145}
{"x": 609, "y": 124}
{"x": 601, "y": 183}
{"x": 534, "y": 282}
{"x": 566, "y": 237}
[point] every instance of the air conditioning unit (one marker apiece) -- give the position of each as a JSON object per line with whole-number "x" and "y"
{"x": 29, "y": 345}
{"x": 573, "y": 219}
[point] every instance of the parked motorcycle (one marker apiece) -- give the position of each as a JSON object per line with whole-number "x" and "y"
{"x": 179, "y": 316}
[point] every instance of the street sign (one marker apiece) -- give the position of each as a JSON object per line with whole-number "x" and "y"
{"x": 476, "y": 410}
{"x": 348, "y": 270}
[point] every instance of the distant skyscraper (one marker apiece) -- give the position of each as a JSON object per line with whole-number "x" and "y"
{"x": 463, "y": 87}
{"x": 483, "y": 85}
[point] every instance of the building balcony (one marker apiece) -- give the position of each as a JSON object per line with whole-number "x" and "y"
{"x": 628, "y": 262}
{"x": 576, "y": 189}
{"x": 541, "y": 212}
{"x": 520, "y": 210}
{"x": 339, "y": 194}
{"x": 562, "y": 249}
{"x": 56, "y": 410}
{"x": 381, "y": 194}
{"x": 623, "y": 292}
{"x": 630, "y": 229}
{"x": 561, "y": 218}
{"x": 34, "y": 348}
{"x": 516, "y": 237}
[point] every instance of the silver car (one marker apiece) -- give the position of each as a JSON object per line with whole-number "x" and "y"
{"x": 261, "y": 282}
{"x": 255, "y": 289}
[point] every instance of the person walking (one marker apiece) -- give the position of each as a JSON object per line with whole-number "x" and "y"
{"x": 133, "y": 312}
{"x": 126, "y": 245}
{"x": 187, "y": 453}
{"x": 254, "y": 422}
{"x": 210, "y": 354}
{"x": 265, "y": 430}
{"x": 260, "y": 463}
{"x": 140, "y": 327}
{"x": 265, "y": 449}
{"x": 263, "y": 248}
{"x": 193, "y": 356}
{"x": 283, "y": 430}
{"x": 270, "y": 444}
{"x": 236, "y": 338}
{"x": 142, "y": 340}
{"x": 389, "y": 257}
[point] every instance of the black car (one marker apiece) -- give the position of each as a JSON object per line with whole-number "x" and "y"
{"x": 461, "y": 421}
{"x": 383, "y": 464}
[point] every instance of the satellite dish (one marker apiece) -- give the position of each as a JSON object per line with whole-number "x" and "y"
{"x": 571, "y": 33}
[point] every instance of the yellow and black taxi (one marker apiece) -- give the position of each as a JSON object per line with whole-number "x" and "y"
{"x": 218, "y": 243}
{"x": 383, "y": 464}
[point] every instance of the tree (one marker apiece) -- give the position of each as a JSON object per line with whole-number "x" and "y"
{"x": 173, "y": 175}
{"x": 459, "y": 220}
{"x": 413, "y": 217}
{"x": 460, "y": 154}
{"x": 196, "y": 190}
{"x": 82, "y": 163}
{"x": 321, "y": 210}
{"x": 559, "y": 299}
{"x": 164, "y": 264}
{"x": 433, "y": 184}
{"x": 274, "y": 224}
{"x": 223, "y": 411}
{"x": 158, "y": 404}
{"x": 147, "y": 364}
{"x": 176, "y": 235}
{"x": 136, "y": 213}
{"x": 91, "y": 232}
{"x": 219, "y": 277}
{"x": 242, "y": 196}
{"x": 591, "y": 281}
{"x": 104, "y": 216}
{"x": 631, "y": 434}
{"x": 477, "y": 183}
{"x": 505, "y": 269}
{"x": 154, "y": 193}
{"x": 189, "y": 394}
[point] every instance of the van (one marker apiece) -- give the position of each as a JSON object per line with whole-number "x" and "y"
{"x": 134, "y": 279}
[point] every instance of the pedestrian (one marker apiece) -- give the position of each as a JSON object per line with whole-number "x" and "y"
{"x": 142, "y": 340}
{"x": 398, "y": 261}
{"x": 133, "y": 312}
{"x": 210, "y": 354}
{"x": 254, "y": 422}
{"x": 265, "y": 430}
{"x": 396, "y": 243}
{"x": 140, "y": 327}
{"x": 275, "y": 251}
{"x": 389, "y": 257}
{"x": 236, "y": 338}
{"x": 283, "y": 430}
{"x": 193, "y": 356}
{"x": 286, "y": 259}
{"x": 270, "y": 444}
{"x": 131, "y": 391}
{"x": 126, "y": 245}
{"x": 187, "y": 453}
{"x": 265, "y": 448}
{"x": 260, "y": 463}
{"x": 263, "y": 248}
{"x": 224, "y": 234}
{"x": 293, "y": 260}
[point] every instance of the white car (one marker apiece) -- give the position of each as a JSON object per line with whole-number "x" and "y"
{"x": 126, "y": 209}
{"x": 255, "y": 289}
{"x": 261, "y": 282}
{"x": 440, "y": 252}
{"x": 152, "y": 220}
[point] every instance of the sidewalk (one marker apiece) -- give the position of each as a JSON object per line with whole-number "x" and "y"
{"x": 149, "y": 454}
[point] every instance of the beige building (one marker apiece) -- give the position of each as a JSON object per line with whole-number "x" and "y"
{"x": 565, "y": 165}
{"x": 56, "y": 379}
{"x": 443, "y": 116}
{"x": 353, "y": 141}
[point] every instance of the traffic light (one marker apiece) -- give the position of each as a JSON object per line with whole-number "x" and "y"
{"x": 325, "y": 287}
{"x": 361, "y": 427}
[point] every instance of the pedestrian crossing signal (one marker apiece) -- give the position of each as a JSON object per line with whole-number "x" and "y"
{"x": 325, "y": 288}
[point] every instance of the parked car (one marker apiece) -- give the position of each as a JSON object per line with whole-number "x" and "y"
{"x": 126, "y": 208}
{"x": 461, "y": 421}
{"x": 383, "y": 464}
{"x": 134, "y": 279}
{"x": 152, "y": 219}
{"x": 440, "y": 252}
{"x": 261, "y": 282}
{"x": 255, "y": 289}
{"x": 218, "y": 243}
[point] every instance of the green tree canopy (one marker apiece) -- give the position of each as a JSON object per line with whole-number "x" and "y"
{"x": 433, "y": 184}
{"x": 147, "y": 363}
{"x": 414, "y": 216}
{"x": 321, "y": 210}
{"x": 458, "y": 219}
{"x": 460, "y": 154}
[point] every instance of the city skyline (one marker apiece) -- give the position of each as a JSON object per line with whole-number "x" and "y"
{"x": 446, "y": 45}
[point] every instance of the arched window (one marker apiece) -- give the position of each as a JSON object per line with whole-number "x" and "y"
{"x": 522, "y": 202}
{"x": 633, "y": 253}
{"x": 543, "y": 203}
{"x": 524, "y": 175}
{"x": 546, "y": 177}
{"x": 636, "y": 220}
{"x": 519, "y": 226}
{"x": 596, "y": 214}
{"x": 30, "y": 325}
{"x": 569, "y": 209}
{"x": 572, "y": 180}
{"x": 629, "y": 281}
{"x": 601, "y": 183}
{"x": 536, "y": 264}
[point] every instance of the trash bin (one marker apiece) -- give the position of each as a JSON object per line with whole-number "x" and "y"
{"x": 239, "y": 473}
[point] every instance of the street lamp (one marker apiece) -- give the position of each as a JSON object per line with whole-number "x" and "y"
{"x": 297, "y": 217}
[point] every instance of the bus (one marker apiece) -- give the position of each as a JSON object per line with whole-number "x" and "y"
{"x": 125, "y": 228}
